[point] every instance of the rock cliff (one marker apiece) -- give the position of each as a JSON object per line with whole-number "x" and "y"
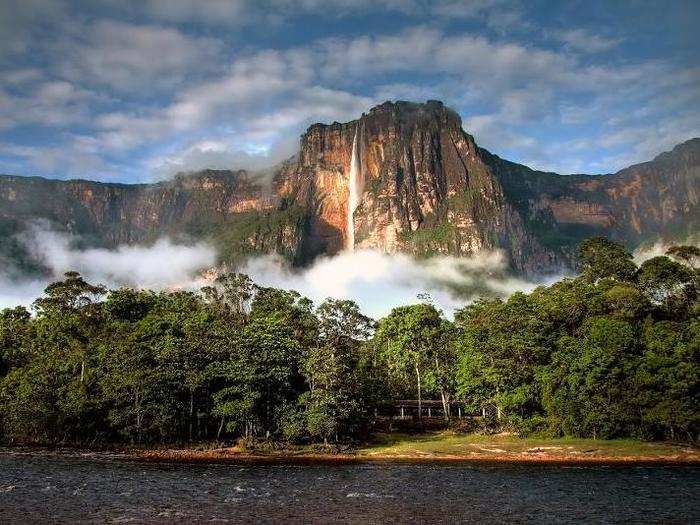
{"x": 420, "y": 184}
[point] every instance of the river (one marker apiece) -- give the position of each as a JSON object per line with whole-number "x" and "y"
{"x": 101, "y": 488}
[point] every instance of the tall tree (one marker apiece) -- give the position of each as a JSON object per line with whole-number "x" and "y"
{"x": 687, "y": 254}
{"x": 667, "y": 283}
{"x": 408, "y": 339}
{"x": 601, "y": 258}
{"x": 334, "y": 405}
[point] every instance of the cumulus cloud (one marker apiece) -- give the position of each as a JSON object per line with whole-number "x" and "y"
{"x": 585, "y": 41}
{"x": 268, "y": 96}
{"x": 48, "y": 102}
{"x": 132, "y": 57}
{"x": 264, "y": 13}
{"x": 78, "y": 160}
{"x": 188, "y": 73}
{"x": 20, "y": 18}
{"x": 220, "y": 154}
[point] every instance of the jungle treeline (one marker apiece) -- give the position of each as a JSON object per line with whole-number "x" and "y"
{"x": 610, "y": 353}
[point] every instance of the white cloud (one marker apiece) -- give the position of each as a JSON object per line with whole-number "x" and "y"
{"x": 379, "y": 281}
{"x": 213, "y": 12}
{"x": 162, "y": 265}
{"x": 49, "y": 102}
{"x": 19, "y": 19}
{"x": 266, "y": 13}
{"x": 376, "y": 281}
{"x": 585, "y": 41}
{"x": 218, "y": 154}
{"x": 646, "y": 252}
{"x": 151, "y": 93}
{"x": 132, "y": 57}
{"x": 261, "y": 105}
{"x": 131, "y": 265}
{"x": 79, "y": 157}
{"x": 19, "y": 292}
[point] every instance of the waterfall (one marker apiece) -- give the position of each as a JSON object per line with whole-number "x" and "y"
{"x": 355, "y": 191}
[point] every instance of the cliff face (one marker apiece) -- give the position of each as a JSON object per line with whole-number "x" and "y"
{"x": 235, "y": 210}
{"x": 655, "y": 199}
{"x": 426, "y": 189}
{"x": 421, "y": 186}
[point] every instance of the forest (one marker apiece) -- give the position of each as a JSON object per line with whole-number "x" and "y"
{"x": 612, "y": 352}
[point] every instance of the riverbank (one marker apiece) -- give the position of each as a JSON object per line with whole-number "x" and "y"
{"x": 397, "y": 447}
{"x": 448, "y": 447}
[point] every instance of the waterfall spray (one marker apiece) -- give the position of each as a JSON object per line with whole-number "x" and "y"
{"x": 355, "y": 191}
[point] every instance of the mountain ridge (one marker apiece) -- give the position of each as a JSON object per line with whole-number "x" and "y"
{"x": 427, "y": 189}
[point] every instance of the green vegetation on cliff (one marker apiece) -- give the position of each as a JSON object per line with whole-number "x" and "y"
{"x": 429, "y": 241}
{"x": 257, "y": 232}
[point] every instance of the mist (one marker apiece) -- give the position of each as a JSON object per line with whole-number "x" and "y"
{"x": 377, "y": 281}
{"x": 161, "y": 265}
{"x": 659, "y": 248}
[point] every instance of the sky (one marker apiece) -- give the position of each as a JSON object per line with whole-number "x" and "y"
{"x": 137, "y": 90}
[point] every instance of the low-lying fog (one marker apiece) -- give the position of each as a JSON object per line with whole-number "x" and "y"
{"x": 376, "y": 281}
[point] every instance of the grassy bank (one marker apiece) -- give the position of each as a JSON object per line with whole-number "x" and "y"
{"x": 510, "y": 447}
{"x": 448, "y": 446}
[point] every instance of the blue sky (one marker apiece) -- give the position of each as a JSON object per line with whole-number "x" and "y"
{"x": 136, "y": 90}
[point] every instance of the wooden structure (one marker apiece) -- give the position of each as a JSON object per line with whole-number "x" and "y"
{"x": 430, "y": 408}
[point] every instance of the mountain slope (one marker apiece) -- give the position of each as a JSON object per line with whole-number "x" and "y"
{"x": 422, "y": 186}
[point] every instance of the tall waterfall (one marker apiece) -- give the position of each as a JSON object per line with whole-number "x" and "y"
{"x": 355, "y": 191}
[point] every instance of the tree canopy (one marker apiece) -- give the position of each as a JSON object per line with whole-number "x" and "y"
{"x": 613, "y": 352}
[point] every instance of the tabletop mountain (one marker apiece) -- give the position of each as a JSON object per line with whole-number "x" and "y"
{"x": 404, "y": 177}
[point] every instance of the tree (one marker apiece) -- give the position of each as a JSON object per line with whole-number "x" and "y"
{"x": 256, "y": 381}
{"x": 14, "y": 334}
{"x": 668, "y": 283}
{"x": 334, "y": 405}
{"x": 689, "y": 255}
{"x": 600, "y": 258}
{"x": 667, "y": 380}
{"x": 627, "y": 301}
{"x": 137, "y": 388}
{"x": 71, "y": 294}
{"x": 408, "y": 338}
{"x": 59, "y": 378}
{"x": 608, "y": 354}
{"x": 586, "y": 389}
{"x": 232, "y": 294}
{"x": 187, "y": 349}
{"x": 501, "y": 346}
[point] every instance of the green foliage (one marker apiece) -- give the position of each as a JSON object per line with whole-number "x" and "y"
{"x": 145, "y": 367}
{"x": 256, "y": 232}
{"x": 335, "y": 406}
{"x": 415, "y": 345}
{"x": 431, "y": 240}
{"x": 667, "y": 283}
{"x": 613, "y": 353}
{"x": 601, "y": 259}
{"x": 684, "y": 253}
{"x": 586, "y": 392}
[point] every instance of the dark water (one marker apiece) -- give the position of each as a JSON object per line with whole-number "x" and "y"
{"x": 45, "y": 488}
